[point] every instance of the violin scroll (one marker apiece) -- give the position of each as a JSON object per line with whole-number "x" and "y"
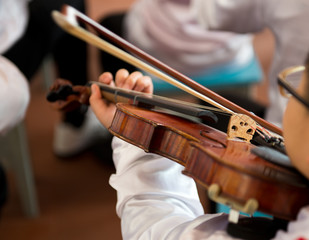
{"x": 64, "y": 96}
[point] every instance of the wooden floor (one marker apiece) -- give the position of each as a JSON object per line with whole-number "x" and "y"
{"x": 75, "y": 199}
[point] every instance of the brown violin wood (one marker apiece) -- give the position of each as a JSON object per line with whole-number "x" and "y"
{"x": 280, "y": 192}
{"x": 209, "y": 158}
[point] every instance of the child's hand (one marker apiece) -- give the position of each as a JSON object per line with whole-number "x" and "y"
{"x": 105, "y": 110}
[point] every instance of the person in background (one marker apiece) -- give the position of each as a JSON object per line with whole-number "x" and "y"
{"x": 14, "y": 89}
{"x": 27, "y": 35}
{"x": 219, "y": 60}
{"x": 166, "y": 31}
{"x": 156, "y": 201}
{"x": 40, "y": 37}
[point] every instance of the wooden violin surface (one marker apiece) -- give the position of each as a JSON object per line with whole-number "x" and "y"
{"x": 210, "y": 158}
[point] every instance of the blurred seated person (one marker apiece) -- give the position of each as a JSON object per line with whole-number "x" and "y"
{"x": 14, "y": 89}
{"x": 168, "y": 31}
{"x": 196, "y": 36}
{"x": 39, "y": 37}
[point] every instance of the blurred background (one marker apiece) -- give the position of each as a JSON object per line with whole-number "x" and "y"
{"x": 74, "y": 198}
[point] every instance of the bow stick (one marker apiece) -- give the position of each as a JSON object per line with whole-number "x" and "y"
{"x": 68, "y": 20}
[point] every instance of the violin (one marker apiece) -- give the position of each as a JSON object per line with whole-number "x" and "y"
{"x": 228, "y": 168}
{"x": 223, "y": 163}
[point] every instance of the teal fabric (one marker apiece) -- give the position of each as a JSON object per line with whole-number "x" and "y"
{"x": 221, "y": 76}
{"x": 222, "y": 208}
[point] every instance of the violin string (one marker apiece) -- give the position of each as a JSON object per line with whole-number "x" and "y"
{"x": 191, "y": 104}
{"x": 262, "y": 131}
{"x": 116, "y": 96}
{"x": 135, "y": 100}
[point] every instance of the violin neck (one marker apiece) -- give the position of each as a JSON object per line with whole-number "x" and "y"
{"x": 115, "y": 94}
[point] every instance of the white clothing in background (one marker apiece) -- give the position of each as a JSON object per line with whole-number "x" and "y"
{"x": 286, "y": 19}
{"x": 14, "y": 89}
{"x": 14, "y": 94}
{"x": 167, "y": 30}
{"x": 184, "y": 34}
{"x": 13, "y": 19}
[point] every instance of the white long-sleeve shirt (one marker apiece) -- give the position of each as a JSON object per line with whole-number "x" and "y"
{"x": 156, "y": 201}
{"x": 183, "y": 34}
{"x": 14, "y": 89}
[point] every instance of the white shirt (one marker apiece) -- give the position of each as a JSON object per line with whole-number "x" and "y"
{"x": 14, "y": 89}
{"x": 156, "y": 201}
{"x": 13, "y": 18}
{"x": 169, "y": 31}
{"x": 286, "y": 19}
{"x": 191, "y": 28}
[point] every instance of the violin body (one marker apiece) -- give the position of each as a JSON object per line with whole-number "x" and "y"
{"x": 210, "y": 158}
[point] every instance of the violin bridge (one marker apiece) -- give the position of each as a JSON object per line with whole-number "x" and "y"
{"x": 242, "y": 127}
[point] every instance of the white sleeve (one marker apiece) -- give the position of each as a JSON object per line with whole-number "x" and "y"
{"x": 156, "y": 201}
{"x": 14, "y": 93}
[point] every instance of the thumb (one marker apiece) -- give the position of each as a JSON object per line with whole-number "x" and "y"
{"x": 96, "y": 101}
{"x": 101, "y": 108}
{"x": 95, "y": 92}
